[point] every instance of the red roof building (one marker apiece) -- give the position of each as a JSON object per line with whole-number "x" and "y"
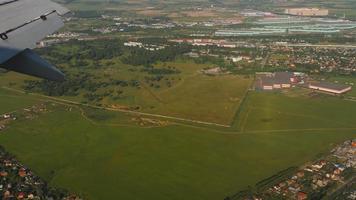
{"x": 302, "y": 196}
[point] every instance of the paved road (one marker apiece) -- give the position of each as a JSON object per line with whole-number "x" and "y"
{"x": 320, "y": 45}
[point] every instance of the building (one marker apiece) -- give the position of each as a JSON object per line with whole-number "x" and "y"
{"x": 302, "y": 196}
{"x": 307, "y": 11}
{"x": 330, "y": 87}
{"x": 133, "y": 44}
{"x": 277, "y": 80}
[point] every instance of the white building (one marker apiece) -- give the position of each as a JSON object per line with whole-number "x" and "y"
{"x": 133, "y": 44}
{"x": 330, "y": 87}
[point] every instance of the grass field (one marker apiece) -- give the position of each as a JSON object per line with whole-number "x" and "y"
{"x": 10, "y": 101}
{"x": 124, "y": 161}
{"x": 269, "y": 111}
{"x": 192, "y": 96}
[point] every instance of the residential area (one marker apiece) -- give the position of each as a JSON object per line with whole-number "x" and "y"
{"x": 18, "y": 182}
{"x": 330, "y": 176}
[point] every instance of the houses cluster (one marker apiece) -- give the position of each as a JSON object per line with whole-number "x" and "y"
{"x": 307, "y": 11}
{"x": 27, "y": 113}
{"x": 149, "y": 47}
{"x": 315, "y": 180}
{"x": 346, "y": 153}
{"x": 18, "y": 182}
{"x": 221, "y": 22}
{"x": 105, "y": 30}
{"x": 306, "y": 181}
{"x": 207, "y": 42}
{"x": 33, "y": 111}
{"x": 123, "y": 23}
{"x": 152, "y": 25}
{"x": 59, "y": 38}
{"x": 5, "y": 119}
{"x": 67, "y": 35}
{"x": 317, "y": 59}
{"x": 256, "y": 13}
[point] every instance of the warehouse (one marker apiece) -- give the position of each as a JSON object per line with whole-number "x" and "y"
{"x": 330, "y": 88}
{"x": 278, "y": 80}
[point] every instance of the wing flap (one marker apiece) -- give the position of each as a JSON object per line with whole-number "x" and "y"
{"x": 28, "y": 62}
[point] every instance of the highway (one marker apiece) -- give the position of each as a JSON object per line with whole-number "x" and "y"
{"x": 345, "y": 46}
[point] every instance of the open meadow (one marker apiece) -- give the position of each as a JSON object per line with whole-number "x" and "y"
{"x": 189, "y": 94}
{"x": 73, "y": 149}
{"x": 274, "y": 111}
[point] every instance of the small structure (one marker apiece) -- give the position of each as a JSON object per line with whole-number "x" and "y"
{"x": 302, "y": 196}
{"x": 330, "y": 88}
{"x": 133, "y": 44}
{"x": 6, "y": 116}
{"x": 353, "y": 144}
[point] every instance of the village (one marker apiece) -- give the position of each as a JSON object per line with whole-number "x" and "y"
{"x": 324, "y": 174}
{"x": 18, "y": 182}
{"x": 332, "y": 173}
{"x": 29, "y": 113}
{"x": 316, "y": 59}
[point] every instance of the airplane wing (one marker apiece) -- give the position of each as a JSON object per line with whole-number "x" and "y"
{"x": 23, "y": 23}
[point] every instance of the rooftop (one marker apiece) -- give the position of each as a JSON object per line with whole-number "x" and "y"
{"x": 329, "y": 85}
{"x": 276, "y": 78}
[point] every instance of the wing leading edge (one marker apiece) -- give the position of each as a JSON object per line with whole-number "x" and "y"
{"x": 23, "y": 23}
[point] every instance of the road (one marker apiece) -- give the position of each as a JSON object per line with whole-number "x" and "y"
{"x": 345, "y": 46}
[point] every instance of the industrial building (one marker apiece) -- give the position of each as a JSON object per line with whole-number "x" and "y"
{"x": 332, "y": 88}
{"x": 307, "y": 11}
{"x": 277, "y": 80}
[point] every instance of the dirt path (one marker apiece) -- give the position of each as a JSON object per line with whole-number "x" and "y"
{"x": 122, "y": 110}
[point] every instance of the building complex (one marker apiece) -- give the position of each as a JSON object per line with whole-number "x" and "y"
{"x": 307, "y": 11}
{"x": 268, "y": 81}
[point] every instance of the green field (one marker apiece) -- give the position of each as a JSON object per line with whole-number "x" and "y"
{"x": 180, "y": 134}
{"x": 123, "y": 161}
{"x": 10, "y": 101}
{"x": 269, "y": 111}
{"x": 192, "y": 96}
